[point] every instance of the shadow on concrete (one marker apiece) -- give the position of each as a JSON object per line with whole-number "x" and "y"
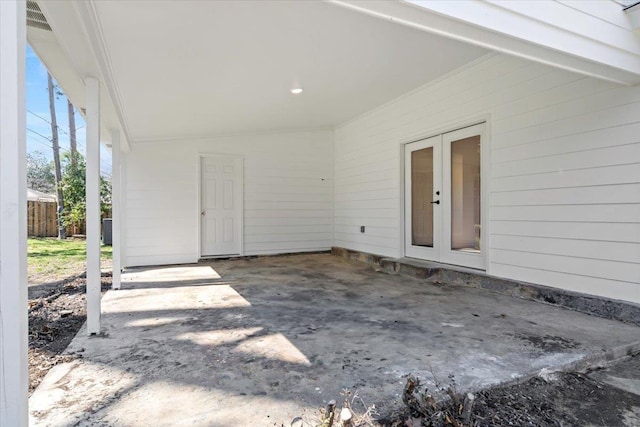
{"x": 276, "y": 338}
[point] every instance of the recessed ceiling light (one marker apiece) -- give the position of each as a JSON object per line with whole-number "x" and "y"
{"x": 296, "y": 90}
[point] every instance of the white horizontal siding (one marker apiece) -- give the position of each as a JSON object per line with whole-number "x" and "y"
{"x": 283, "y": 230}
{"x": 599, "y": 269}
{"x": 572, "y": 230}
{"x": 605, "y": 175}
{"x": 289, "y": 214}
{"x": 571, "y": 281}
{"x": 289, "y": 246}
{"x": 564, "y": 205}
{"x": 288, "y": 195}
{"x": 579, "y": 213}
{"x": 266, "y": 223}
{"x": 625, "y": 252}
{"x": 596, "y": 158}
{"x": 620, "y": 134}
{"x": 620, "y": 194}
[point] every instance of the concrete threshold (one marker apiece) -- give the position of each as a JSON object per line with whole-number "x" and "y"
{"x": 435, "y": 272}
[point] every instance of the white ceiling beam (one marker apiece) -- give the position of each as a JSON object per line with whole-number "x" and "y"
{"x": 530, "y": 30}
{"x": 93, "y": 32}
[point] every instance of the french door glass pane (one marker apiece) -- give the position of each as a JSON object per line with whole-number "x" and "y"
{"x": 465, "y": 194}
{"x": 421, "y": 197}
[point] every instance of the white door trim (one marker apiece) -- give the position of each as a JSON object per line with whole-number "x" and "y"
{"x": 199, "y": 193}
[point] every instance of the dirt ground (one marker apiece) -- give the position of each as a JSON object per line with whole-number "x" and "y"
{"x": 564, "y": 399}
{"x": 57, "y": 311}
{"x": 571, "y": 399}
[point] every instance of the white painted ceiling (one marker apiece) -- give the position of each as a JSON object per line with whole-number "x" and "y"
{"x": 198, "y": 69}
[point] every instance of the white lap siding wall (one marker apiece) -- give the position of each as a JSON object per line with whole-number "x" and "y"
{"x": 288, "y": 195}
{"x": 564, "y": 203}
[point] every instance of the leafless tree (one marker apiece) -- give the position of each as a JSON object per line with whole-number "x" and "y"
{"x": 72, "y": 131}
{"x": 62, "y": 232}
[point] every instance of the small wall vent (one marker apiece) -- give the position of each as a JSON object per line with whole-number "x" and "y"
{"x": 35, "y": 17}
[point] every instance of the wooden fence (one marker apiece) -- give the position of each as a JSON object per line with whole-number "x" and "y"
{"x": 42, "y": 219}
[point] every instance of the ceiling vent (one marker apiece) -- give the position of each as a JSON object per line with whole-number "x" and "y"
{"x": 35, "y": 17}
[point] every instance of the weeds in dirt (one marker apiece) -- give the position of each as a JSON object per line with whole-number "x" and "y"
{"x": 354, "y": 412}
{"x": 424, "y": 410}
{"x": 445, "y": 407}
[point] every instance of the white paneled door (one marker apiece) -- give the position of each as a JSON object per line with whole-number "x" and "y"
{"x": 221, "y": 206}
{"x": 443, "y": 198}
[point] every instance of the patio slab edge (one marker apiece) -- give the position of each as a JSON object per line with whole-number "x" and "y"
{"x": 607, "y": 308}
{"x": 589, "y": 362}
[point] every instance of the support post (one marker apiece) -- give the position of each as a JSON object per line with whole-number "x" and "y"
{"x": 123, "y": 203}
{"x": 13, "y": 216}
{"x": 116, "y": 192}
{"x": 93, "y": 204}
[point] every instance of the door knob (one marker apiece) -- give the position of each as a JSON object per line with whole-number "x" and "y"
{"x": 202, "y": 213}
{"x": 435, "y": 202}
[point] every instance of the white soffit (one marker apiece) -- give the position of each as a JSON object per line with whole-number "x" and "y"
{"x": 195, "y": 69}
{"x": 589, "y": 37}
{"x": 633, "y": 12}
{"x": 65, "y": 51}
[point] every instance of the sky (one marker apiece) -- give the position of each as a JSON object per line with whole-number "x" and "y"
{"x": 39, "y": 119}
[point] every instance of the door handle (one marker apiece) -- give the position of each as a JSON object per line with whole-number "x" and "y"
{"x": 435, "y": 202}
{"x": 202, "y": 213}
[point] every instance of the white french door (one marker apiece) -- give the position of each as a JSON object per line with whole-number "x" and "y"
{"x": 423, "y": 184}
{"x": 443, "y": 198}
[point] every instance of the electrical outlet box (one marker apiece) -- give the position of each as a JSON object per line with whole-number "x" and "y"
{"x": 362, "y": 228}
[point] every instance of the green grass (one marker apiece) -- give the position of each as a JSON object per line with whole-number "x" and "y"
{"x": 50, "y": 259}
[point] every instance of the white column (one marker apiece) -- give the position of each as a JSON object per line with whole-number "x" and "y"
{"x": 123, "y": 205}
{"x": 93, "y": 204}
{"x": 116, "y": 192}
{"x": 13, "y": 216}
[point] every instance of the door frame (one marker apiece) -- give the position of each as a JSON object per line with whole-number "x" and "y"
{"x": 199, "y": 196}
{"x": 485, "y": 176}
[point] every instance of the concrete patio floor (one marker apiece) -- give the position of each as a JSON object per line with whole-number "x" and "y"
{"x": 257, "y": 342}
